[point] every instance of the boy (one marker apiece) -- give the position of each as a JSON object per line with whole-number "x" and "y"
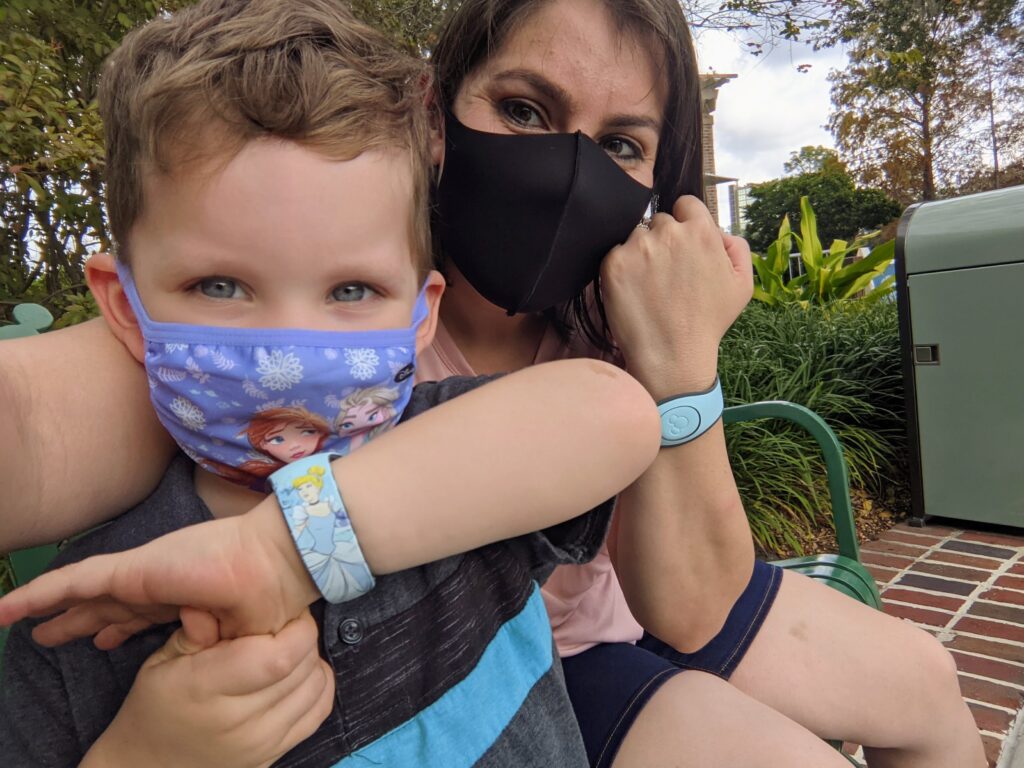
{"x": 266, "y": 171}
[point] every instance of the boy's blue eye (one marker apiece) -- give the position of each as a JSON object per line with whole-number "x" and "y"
{"x": 351, "y": 292}
{"x": 220, "y": 288}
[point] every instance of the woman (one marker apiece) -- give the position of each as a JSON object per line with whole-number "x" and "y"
{"x": 789, "y": 659}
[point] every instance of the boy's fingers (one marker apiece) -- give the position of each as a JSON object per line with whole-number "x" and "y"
{"x": 305, "y": 710}
{"x": 114, "y": 636}
{"x": 200, "y": 627}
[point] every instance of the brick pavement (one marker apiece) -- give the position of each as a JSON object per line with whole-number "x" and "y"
{"x": 966, "y": 588}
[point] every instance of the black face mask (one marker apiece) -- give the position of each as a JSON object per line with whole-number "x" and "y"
{"x": 528, "y": 219}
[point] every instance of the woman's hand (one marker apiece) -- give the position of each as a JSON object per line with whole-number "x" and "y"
{"x": 671, "y": 292}
{"x": 243, "y": 570}
{"x": 200, "y": 702}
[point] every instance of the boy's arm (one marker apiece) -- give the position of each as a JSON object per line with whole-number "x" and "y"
{"x": 519, "y": 454}
{"x": 241, "y": 702}
{"x": 83, "y": 442}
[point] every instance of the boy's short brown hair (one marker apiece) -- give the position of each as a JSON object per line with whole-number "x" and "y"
{"x": 199, "y": 84}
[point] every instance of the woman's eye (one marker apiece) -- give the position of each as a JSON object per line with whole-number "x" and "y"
{"x": 221, "y": 288}
{"x": 522, "y": 113}
{"x": 351, "y": 292}
{"x": 621, "y": 149}
{"x": 275, "y": 440}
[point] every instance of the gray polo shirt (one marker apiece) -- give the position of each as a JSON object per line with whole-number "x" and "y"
{"x": 449, "y": 664}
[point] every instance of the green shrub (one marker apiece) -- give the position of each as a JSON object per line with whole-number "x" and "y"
{"x": 842, "y": 362}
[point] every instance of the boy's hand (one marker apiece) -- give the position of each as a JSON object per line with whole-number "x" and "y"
{"x": 198, "y": 702}
{"x": 243, "y": 570}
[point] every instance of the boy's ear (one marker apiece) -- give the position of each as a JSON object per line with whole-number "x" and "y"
{"x": 433, "y": 291}
{"x": 101, "y": 275}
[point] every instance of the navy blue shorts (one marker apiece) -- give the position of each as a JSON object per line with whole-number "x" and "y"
{"x": 610, "y": 683}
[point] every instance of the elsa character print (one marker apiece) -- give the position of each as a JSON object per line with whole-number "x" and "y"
{"x": 366, "y": 413}
{"x": 324, "y": 538}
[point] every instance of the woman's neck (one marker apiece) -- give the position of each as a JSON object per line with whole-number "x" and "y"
{"x": 489, "y": 340}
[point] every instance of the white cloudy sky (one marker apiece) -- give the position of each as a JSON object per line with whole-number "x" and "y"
{"x": 771, "y": 109}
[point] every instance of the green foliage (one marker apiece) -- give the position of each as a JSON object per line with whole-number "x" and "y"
{"x": 845, "y": 210}
{"x": 909, "y": 107}
{"x": 843, "y": 362}
{"x": 51, "y": 149}
{"x": 827, "y": 279}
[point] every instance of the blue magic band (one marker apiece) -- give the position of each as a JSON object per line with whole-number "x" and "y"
{"x": 686, "y": 417}
{"x": 311, "y": 503}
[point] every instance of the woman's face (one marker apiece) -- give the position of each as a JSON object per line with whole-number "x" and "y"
{"x": 564, "y": 69}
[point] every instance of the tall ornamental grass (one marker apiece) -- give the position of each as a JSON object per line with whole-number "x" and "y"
{"x": 841, "y": 361}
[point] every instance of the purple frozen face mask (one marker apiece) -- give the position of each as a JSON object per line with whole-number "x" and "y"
{"x": 243, "y": 402}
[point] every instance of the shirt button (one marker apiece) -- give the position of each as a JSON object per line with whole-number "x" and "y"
{"x": 350, "y": 631}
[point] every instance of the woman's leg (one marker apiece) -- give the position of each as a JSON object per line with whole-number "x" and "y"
{"x": 846, "y": 671}
{"x": 698, "y": 720}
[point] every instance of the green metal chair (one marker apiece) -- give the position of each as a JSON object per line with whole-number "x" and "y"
{"x": 844, "y": 571}
{"x": 26, "y": 564}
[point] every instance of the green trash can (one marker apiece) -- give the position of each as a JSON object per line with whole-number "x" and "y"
{"x": 960, "y": 289}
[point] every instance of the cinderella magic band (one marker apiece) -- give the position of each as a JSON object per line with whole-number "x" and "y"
{"x": 315, "y": 513}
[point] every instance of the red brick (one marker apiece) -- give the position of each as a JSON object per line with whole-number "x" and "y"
{"x": 882, "y": 575}
{"x": 920, "y": 615}
{"x": 887, "y": 548}
{"x": 1010, "y": 582}
{"x": 1001, "y": 612}
{"x": 997, "y": 670}
{"x": 990, "y": 693}
{"x": 1004, "y": 596}
{"x": 1018, "y": 569}
{"x": 993, "y": 747}
{"x": 890, "y": 561}
{"x": 1006, "y": 651}
{"x": 969, "y": 560}
{"x": 907, "y": 538}
{"x": 945, "y": 602}
{"x": 972, "y": 575}
{"x": 928, "y": 530}
{"x": 999, "y": 539}
{"x": 991, "y": 629}
{"x": 988, "y": 719}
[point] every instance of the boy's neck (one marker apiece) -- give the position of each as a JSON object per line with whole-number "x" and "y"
{"x": 222, "y": 497}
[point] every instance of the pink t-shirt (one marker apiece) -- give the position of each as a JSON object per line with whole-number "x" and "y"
{"x": 585, "y": 602}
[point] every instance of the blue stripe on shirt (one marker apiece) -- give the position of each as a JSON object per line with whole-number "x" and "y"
{"x": 457, "y": 729}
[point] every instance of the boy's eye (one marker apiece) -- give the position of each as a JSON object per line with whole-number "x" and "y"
{"x": 221, "y": 288}
{"x": 621, "y": 149}
{"x": 351, "y": 292}
{"x": 522, "y": 113}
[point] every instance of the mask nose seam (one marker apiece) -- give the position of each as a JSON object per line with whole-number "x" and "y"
{"x": 561, "y": 222}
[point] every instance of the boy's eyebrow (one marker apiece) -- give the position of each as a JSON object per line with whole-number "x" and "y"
{"x": 558, "y": 94}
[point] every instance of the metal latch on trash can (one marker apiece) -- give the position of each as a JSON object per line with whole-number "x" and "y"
{"x": 926, "y": 354}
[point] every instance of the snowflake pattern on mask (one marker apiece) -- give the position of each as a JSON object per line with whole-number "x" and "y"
{"x": 279, "y": 370}
{"x": 362, "y": 363}
{"x": 188, "y": 413}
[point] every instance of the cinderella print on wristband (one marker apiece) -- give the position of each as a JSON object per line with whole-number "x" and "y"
{"x": 315, "y": 513}
{"x": 244, "y": 402}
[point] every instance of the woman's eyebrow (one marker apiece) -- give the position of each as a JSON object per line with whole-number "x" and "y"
{"x": 633, "y": 121}
{"x": 538, "y": 83}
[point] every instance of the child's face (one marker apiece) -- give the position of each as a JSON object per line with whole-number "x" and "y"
{"x": 280, "y": 237}
{"x": 291, "y": 442}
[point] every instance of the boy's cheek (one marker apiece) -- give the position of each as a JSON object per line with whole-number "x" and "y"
{"x": 101, "y": 276}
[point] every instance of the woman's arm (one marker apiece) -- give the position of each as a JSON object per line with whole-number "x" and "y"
{"x": 517, "y": 455}
{"x": 83, "y": 443}
{"x": 681, "y": 544}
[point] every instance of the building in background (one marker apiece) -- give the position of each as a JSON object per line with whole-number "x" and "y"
{"x": 739, "y": 200}
{"x": 709, "y": 85}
